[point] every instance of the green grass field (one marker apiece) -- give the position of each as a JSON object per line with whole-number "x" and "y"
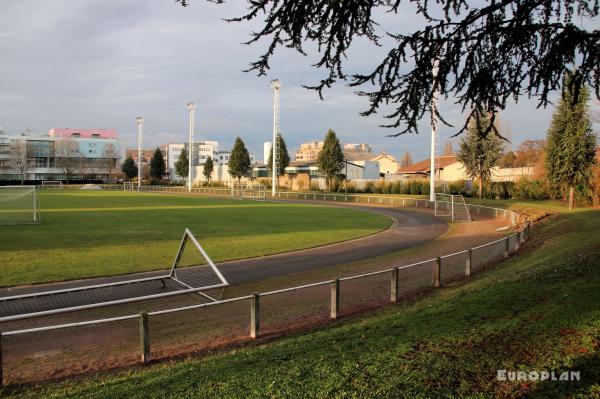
{"x": 100, "y": 233}
{"x": 539, "y": 310}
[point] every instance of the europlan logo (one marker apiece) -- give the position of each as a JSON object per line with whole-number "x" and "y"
{"x": 538, "y": 375}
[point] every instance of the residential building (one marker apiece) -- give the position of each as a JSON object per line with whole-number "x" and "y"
{"x": 309, "y": 152}
{"x": 449, "y": 168}
{"x": 387, "y": 163}
{"x": 63, "y": 153}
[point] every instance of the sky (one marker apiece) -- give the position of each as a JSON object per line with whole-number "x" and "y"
{"x": 102, "y": 63}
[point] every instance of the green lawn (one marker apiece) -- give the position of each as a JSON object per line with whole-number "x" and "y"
{"x": 99, "y": 233}
{"x": 539, "y": 310}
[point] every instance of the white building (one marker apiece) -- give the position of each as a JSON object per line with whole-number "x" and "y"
{"x": 202, "y": 150}
{"x": 267, "y": 151}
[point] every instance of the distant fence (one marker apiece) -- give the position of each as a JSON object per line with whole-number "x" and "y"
{"x": 60, "y": 349}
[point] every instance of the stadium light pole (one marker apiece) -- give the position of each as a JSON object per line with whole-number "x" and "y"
{"x": 140, "y": 125}
{"x": 276, "y": 85}
{"x": 434, "y": 130}
{"x": 191, "y": 108}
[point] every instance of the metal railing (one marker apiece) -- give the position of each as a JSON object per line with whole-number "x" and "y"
{"x": 54, "y": 351}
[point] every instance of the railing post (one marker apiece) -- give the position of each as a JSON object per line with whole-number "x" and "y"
{"x": 507, "y": 247}
{"x": 335, "y": 298}
{"x": 517, "y": 241}
{"x": 255, "y": 315}
{"x": 437, "y": 271}
{"x": 394, "y": 285}
{"x": 528, "y": 231}
{"x": 522, "y": 236}
{"x": 1, "y": 375}
{"x": 469, "y": 262}
{"x": 144, "y": 338}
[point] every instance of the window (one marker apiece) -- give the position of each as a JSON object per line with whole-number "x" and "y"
{"x": 96, "y": 135}
{"x": 76, "y": 134}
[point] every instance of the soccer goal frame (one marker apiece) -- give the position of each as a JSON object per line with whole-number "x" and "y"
{"x": 128, "y": 186}
{"x": 256, "y": 192}
{"x": 453, "y": 206}
{"x": 9, "y": 195}
{"x": 52, "y": 184}
{"x": 172, "y": 275}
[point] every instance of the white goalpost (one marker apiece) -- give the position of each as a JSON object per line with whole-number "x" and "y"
{"x": 452, "y": 206}
{"x": 257, "y": 191}
{"x": 128, "y": 186}
{"x": 52, "y": 184}
{"x": 19, "y": 205}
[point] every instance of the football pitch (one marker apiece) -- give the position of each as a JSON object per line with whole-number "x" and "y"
{"x": 103, "y": 233}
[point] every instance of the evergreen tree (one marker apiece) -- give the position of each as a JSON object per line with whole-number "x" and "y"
{"x": 239, "y": 161}
{"x": 208, "y": 168}
{"x": 571, "y": 142}
{"x": 182, "y": 166}
{"x": 129, "y": 168}
{"x": 406, "y": 160}
{"x": 479, "y": 151}
{"x": 331, "y": 158}
{"x": 157, "y": 165}
{"x": 283, "y": 157}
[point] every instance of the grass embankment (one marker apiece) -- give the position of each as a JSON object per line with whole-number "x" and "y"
{"x": 100, "y": 233}
{"x": 537, "y": 311}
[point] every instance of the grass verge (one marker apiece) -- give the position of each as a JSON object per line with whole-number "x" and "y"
{"x": 537, "y": 311}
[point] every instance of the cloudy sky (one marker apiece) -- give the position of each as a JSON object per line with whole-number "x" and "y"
{"x": 101, "y": 63}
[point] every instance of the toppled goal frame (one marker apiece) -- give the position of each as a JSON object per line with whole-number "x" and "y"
{"x": 172, "y": 275}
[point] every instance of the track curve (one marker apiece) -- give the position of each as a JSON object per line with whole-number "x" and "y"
{"x": 410, "y": 228}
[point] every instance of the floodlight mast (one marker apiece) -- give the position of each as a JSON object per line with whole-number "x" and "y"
{"x": 191, "y": 108}
{"x": 276, "y": 85}
{"x": 434, "y": 129}
{"x": 140, "y": 125}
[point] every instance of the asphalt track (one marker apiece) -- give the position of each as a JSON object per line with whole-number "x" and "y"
{"x": 410, "y": 227}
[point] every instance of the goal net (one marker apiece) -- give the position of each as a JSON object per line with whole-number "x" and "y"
{"x": 256, "y": 191}
{"x": 128, "y": 186}
{"x": 452, "y": 206}
{"x": 52, "y": 184}
{"x": 18, "y": 205}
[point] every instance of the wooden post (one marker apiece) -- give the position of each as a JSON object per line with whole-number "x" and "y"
{"x": 255, "y": 315}
{"x": 335, "y": 298}
{"x": 506, "y": 247}
{"x": 437, "y": 271}
{"x": 144, "y": 338}
{"x": 394, "y": 285}
{"x": 517, "y": 241}
{"x": 469, "y": 262}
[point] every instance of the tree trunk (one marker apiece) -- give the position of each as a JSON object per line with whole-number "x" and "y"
{"x": 571, "y": 197}
{"x": 480, "y": 187}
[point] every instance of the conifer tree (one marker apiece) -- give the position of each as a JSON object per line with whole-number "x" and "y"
{"x": 208, "y": 168}
{"x": 571, "y": 142}
{"x": 239, "y": 161}
{"x": 331, "y": 158}
{"x": 182, "y": 166}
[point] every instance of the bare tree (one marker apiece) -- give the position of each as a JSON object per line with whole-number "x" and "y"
{"x": 18, "y": 158}
{"x": 67, "y": 156}
{"x": 109, "y": 160}
{"x": 448, "y": 148}
{"x": 406, "y": 160}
